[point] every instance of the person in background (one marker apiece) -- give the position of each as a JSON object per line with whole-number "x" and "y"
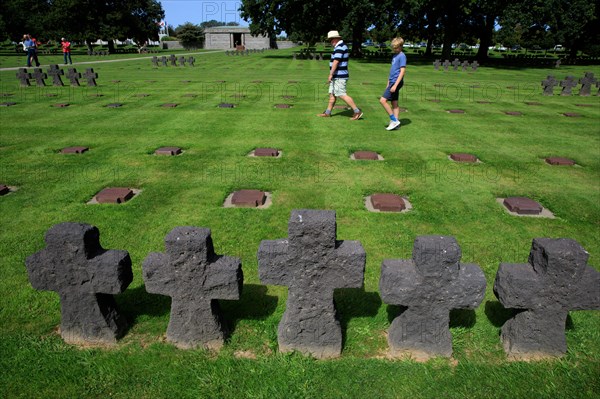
{"x": 30, "y": 47}
{"x": 395, "y": 83}
{"x": 66, "y": 48}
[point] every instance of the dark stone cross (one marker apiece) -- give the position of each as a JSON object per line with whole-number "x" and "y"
{"x": 436, "y": 65}
{"x": 24, "y": 77}
{"x": 474, "y": 65}
{"x": 556, "y": 280}
{"x": 456, "y": 64}
{"x": 91, "y": 77}
{"x": 55, "y": 72}
{"x": 39, "y": 75}
{"x": 73, "y": 76}
{"x": 586, "y": 84}
{"x": 182, "y": 61}
{"x": 163, "y": 59}
{"x": 86, "y": 276}
{"x": 548, "y": 85}
{"x": 191, "y": 61}
{"x": 429, "y": 285}
{"x": 173, "y": 60}
{"x": 465, "y": 65}
{"x": 567, "y": 85}
{"x": 195, "y": 278}
{"x": 446, "y": 65}
{"x": 312, "y": 263}
{"x": 155, "y": 61}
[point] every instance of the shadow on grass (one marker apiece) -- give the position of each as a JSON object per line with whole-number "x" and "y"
{"x": 254, "y": 304}
{"x": 498, "y": 314}
{"x": 458, "y": 317}
{"x": 354, "y": 302}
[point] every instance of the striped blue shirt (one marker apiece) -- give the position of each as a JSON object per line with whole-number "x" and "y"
{"x": 340, "y": 53}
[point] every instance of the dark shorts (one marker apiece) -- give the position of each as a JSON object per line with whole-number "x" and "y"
{"x": 392, "y": 96}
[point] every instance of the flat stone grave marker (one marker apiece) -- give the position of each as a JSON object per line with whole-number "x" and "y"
{"x": 195, "y": 278}
{"x": 584, "y": 105}
{"x": 513, "y": 113}
{"x": 39, "y": 75}
{"x": 463, "y": 157}
{"x": 163, "y": 60}
{"x": 73, "y": 76}
{"x": 191, "y": 95}
{"x": 522, "y": 205}
{"x": 142, "y": 95}
{"x": 560, "y": 161}
{"x": 248, "y": 198}
{"x": 567, "y": 85}
{"x": 283, "y": 106}
{"x": 55, "y": 72}
{"x": 385, "y": 202}
{"x": 4, "y": 189}
{"x": 168, "y": 151}
{"x": 312, "y": 263}
{"x": 114, "y": 105}
{"x": 456, "y": 64}
{"x": 532, "y": 103}
{"x": 556, "y": 280}
{"x": 288, "y": 97}
{"x": 91, "y": 77}
{"x": 23, "y": 77}
{"x": 436, "y": 65}
{"x": 61, "y": 105}
{"x": 455, "y": 111}
{"x": 257, "y": 81}
{"x": 548, "y": 85}
{"x": 226, "y": 105}
{"x": 366, "y": 155}
{"x": 429, "y": 286}
{"x": 586, "y": 84}
{"x": 266, "y": 152}
{"x": 169, "y": 105}
{"x": 572, "y": 114}
{"x": 86, "y": 276}
{"x": 74, "y": 150}
{"x": 7, "y": 104}
{"x": 293, "y": 81}
{"x": 114, "y": 195}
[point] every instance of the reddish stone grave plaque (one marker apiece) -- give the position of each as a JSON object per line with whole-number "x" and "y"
{"x": 168, "y": 151}
{"x": 114, "y": 195}
{"x": 388, "y": 202}
{"x": 513, "y": 113}
{"x": 7, "y": 104}
{"x": 248, "y": 198}
{"x": 511, "y": 87}
{"x": 368, "y": 155}
{"x": 226, "y": 105}
{"x": 169, "y": 105}
{"x": 456, "y": 111}
{"x": 571, "y": 114}
{"x": 61, "y": 105}
{"x": 74, "y": 150}
{"x": 114, "y": 105}
{"x": 283, "y": 106}
{"x": 266, "y": 152}
{"x": 560, "y": 161}
{"x": 4, "y": 189}
{"x": 462, "y": 157}
{"x": 523, "y": 206}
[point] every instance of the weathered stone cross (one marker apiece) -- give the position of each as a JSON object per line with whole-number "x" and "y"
{"x": 567, "y": 85}
{"x": 73, "y": 76}
{"x": 312, "y": 263}
{"x": 39, "y": 75}
{"x": 195, "y": 278}
{"x": 586, "y": 84}
{"x": 556, "y": 280}
{"x": 86, "y": 277}
{"x": 24, "y": 77}
{"x": 548, "y": 85}
{"x": 431, "y": 284}
{"x": 56, "y": 72}
{"x": 91, "y": 76}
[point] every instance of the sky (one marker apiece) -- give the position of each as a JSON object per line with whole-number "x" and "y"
{"x": 178, "y": 12}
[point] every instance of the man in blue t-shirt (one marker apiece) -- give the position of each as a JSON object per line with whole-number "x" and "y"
{"x": 338, "y": 76}
{"x": 395, "y": 83}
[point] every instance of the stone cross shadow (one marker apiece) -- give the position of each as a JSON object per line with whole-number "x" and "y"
{"x": 429, "y": 285}
{"x": 195, "y": 278}
{"x": 312, "y": 263}
{"x": 86, "y": 277}
{"x": 556, "y": 280}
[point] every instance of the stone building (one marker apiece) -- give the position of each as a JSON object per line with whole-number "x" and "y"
{"x": 230, "y": 37}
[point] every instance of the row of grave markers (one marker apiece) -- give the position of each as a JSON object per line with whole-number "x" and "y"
{"x": 455, "y": 64}
{"x": 172, "y": 60}
{"x": 55, "y": 72}
{"x": 312, "y": 263}
{"x": 569, "y": 83}
{"x": 244, "y": 52}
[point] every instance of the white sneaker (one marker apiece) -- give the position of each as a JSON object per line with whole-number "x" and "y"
{"x": 393, "y": 125}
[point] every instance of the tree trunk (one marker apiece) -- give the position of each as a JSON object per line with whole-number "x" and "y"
{"x": 88, "y": 43}
{"x": 111, "y": 46}
{"x": 486, "y": 38}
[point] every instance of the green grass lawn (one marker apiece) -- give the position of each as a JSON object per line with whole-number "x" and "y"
{"x": 315, "y": 172}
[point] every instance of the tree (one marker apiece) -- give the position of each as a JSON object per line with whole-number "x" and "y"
{"x": 190, "y": 35}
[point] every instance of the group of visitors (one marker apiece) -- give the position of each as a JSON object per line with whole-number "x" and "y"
{"x": 338, "y": 78}
{"x": 30, "y": 46}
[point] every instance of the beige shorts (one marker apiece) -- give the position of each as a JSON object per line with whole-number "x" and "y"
{"x": 337, "y": 87}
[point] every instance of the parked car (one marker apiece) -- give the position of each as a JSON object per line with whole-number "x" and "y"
{"x": 558, "y": 47}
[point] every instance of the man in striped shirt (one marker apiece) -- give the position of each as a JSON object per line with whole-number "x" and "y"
{"x": 338, "y": 76}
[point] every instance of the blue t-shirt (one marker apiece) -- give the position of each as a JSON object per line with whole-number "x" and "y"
{"x": 340, "y": 53}
{"x": 398, "y": 62}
